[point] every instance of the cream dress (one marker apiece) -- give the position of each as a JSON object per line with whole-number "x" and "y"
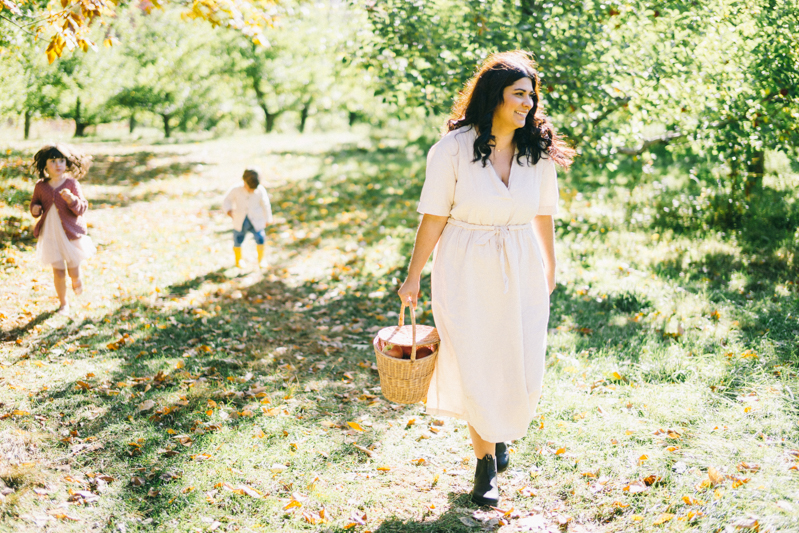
{"x": 489, "y": 290}
{"x": 54, "y": 247}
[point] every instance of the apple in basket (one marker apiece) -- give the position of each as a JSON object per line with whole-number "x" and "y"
{"x": 394, "y": 351}
{"x": 421, "y": 352}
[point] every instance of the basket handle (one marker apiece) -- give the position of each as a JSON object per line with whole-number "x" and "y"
{"x": 413, "y": 328}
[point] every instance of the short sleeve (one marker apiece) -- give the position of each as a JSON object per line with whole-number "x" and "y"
{"x": 548, "y": 198}
{"x": 438, "y": 193}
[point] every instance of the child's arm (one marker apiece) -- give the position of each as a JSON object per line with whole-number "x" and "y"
{"x": 227, "y": 203}
{"x": 77, "y": 203}
{"x": 36, "y": 202}
{"x": 266, "y": 204}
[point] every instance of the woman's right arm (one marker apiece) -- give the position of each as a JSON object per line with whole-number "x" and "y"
{"x": 427, "y": 236}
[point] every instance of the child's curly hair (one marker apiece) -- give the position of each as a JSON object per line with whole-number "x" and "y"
{"x": 77, "y": 164}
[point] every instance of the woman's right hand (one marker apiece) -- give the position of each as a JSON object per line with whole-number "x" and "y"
{"x": 410, "y": 291}
{"x": 36, "y": 210}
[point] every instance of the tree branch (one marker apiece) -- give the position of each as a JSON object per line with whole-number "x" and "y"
{"x": 666, "y": 138}
{"x": 17, "y": 25}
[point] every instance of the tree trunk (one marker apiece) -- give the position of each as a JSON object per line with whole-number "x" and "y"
{"x": 28, "y": 116}
{"x": 167, "y": 129}
{"x": 270, "y": 120}
{"x": 80, "y": 126}
{"x": 755, "y": 168}
{"x": 132, "y": 122}
{"x": 306, "y": 107}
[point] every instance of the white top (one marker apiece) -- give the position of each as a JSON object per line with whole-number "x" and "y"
{"x": 489, "y": 290}
{"x": 245, "y": 204}
{"x": 480, "y": 197}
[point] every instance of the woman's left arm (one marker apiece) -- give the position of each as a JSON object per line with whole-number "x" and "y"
{"x": 79, "y": 205}
{"x": 544, "y": 229}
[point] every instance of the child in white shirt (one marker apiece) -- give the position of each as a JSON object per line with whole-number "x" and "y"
{"x": 248, "y": 205}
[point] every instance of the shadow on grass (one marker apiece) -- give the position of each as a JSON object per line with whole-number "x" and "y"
{"x": 360, "y": 194}
{"x": 270, "y": 348}
{"x": 21, "y": 331}
{"x": 136, "y": 167}
{"x": 447, "y": 522}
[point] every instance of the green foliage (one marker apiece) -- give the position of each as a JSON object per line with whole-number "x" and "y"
{"x": 712, "y": 77}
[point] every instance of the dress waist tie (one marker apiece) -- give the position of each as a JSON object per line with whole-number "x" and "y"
{"x": 494, "y": 235}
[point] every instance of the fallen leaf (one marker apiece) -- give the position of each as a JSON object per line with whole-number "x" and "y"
{"x": 746, "y": 467}
{"x": 635, "y": 487}
{"x": 367, "y": 451}
{"x": 662, "y": 519}
{"x": 747, "y": 523}
{"x": 355, "y": 426}
{"x": 292, "y": 504}
{"x": 714, "y": 476}
{"x": 146, "y": 405}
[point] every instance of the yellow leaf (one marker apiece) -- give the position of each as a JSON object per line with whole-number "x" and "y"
{"x": 692, "y": 501}
{"x": 355, "y": 426}
{"x": 662, "y": 519}
{"x": 17, "y": 412}
{"x": 383, "y": 468}
{"x": 292, "y": 504}
{"x": 180, "y": 364}
{"x": 644, "y": 458}
{"x": 411, "y": 422}
{"x": 636, "y": 518}
{"x": 715, "y": 476}
{"x": 560, "y": 451}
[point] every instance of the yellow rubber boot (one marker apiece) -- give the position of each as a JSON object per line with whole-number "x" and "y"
{"x": 260, "y": 249}
{"x": 237, "y": 254}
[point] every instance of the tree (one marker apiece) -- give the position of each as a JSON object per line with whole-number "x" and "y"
{"x": 170, "y": 71}
{"x": 620, "y": 78}
{"x": 69, "y": 28}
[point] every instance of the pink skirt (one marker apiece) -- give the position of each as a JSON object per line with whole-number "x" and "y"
{"x": 54, "y": 248}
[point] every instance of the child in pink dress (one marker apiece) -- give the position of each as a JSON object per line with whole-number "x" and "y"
{"x": 61, "y": 230}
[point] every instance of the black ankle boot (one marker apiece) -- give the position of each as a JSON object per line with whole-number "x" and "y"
{"x": 485, "y": 490}
{"x": 503, "y": 456}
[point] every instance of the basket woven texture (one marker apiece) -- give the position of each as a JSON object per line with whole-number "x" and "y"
{"x": 406, "y": 380}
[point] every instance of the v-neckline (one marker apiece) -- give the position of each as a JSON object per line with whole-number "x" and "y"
{"x": 54, "y": 189}
{"x": 510, "y": 172}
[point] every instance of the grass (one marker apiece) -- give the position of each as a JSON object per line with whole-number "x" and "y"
{"x": 186, "y": 395}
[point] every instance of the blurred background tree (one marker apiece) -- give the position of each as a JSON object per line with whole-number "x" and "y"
{"x": 704, "y": 88}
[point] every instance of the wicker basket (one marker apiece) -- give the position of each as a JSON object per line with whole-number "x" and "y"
{"x": 406, "y": 380}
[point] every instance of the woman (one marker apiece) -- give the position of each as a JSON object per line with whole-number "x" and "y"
{"x": 488, "y": 199}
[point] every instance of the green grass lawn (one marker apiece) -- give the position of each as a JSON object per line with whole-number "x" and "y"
{"x": 186, "y": 395}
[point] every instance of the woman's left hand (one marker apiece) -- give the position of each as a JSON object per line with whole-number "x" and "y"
{"x": 550, "y": 273}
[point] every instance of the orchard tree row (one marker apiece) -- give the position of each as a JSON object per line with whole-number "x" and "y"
{"x": 716, "y": 80}
{"x": 155, "y": 65}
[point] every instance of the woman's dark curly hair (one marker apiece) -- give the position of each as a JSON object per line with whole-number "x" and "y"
{"x": 77, "y": 164}
{"x": 482, "y": 95}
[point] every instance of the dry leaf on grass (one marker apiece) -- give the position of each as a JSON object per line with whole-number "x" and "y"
{"x": 715, "y": 477}
{"x": 662, "y": 519}
{"x": 146, "y": 405}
